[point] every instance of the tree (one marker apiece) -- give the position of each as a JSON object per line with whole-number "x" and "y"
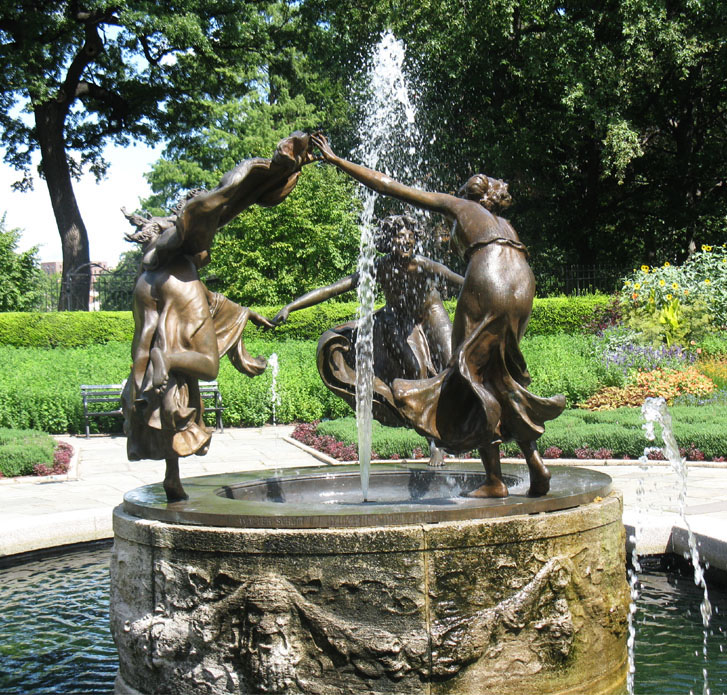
{"x": 21, "y": 278}
{"x": 607, "y": 118}
{"x": 265, "y": 255}
{"x": 88, "y": 72}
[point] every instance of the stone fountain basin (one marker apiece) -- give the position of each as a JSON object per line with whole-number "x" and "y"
{"x": 330, "y": 497}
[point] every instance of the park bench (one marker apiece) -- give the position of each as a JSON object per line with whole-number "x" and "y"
{"x": 94, "y": 394}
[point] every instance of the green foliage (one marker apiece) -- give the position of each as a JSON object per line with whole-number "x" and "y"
{"x": 552, "y": 315}
{"x": 20, "y": 450}
{"x": 40, "y": 388}
{"x": 117, "y": 71}
{"x": 560, "y": 100}
{"x": 72, "y": 329}
{"x": 714, "y": 345}
{"x": 21, "y": 279}
{"x": 65, "y": 329}
{"x": 567, "y": 364}
{"x": 272, "y": 255}
{"x": 302, "y": 393}
{"x": 620, "y": 430}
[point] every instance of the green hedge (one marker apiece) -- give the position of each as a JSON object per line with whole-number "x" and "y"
{"x": 65, "y": 328}
{"x": 618, "y": 430}
{"x": 40, "y": 388}
{"x": 20, "y": 450}
{"x": 79, "y": 328}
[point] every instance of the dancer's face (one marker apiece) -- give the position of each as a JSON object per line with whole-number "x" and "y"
{"x": 403, "y": 242}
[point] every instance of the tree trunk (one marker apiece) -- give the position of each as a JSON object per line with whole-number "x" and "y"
{"x": 76, "y": 283}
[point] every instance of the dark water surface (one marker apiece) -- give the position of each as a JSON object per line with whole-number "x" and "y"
{"x": 54, "y": 634}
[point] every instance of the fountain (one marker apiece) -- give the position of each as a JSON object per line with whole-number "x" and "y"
{"x": 290, "y": 583}
{"x": 655, "y": 412}
{"x": 389, "y": 129}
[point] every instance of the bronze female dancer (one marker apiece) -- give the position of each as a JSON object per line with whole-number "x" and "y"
{"x": 181, "y": 328}
{"x": 481, "y": 399}
{"x": 412, "y": 331}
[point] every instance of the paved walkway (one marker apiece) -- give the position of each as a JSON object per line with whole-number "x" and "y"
{"x": 40, "y": 513}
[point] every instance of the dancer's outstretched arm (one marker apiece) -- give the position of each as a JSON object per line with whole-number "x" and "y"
{"x": 439, "y": 269}
{"x": 442, "y": 203}
{"x": 316, "y": 297}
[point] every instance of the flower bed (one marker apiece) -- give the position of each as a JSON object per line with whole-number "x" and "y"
{"x": 29, "y": 452}
{"x": 614, "y": 434}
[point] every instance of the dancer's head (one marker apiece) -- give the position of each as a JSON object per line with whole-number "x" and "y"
{"x": 398, "y": 234}
{"x": 488, "y": 192}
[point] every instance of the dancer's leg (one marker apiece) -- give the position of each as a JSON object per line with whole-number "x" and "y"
{"x": 494, "y": 485}
{"x": 172, "y": 483}
{"x": 539, "y": 474}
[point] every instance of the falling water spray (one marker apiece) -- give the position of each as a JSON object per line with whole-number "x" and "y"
{"x": 655, "y": 411}
{"x": 388, "y": 130}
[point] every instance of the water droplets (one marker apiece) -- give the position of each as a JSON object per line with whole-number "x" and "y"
{"x": 388, "y": 128}
{"x": 274, "y": 395}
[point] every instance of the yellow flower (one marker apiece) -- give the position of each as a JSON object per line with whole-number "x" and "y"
{"x": 627, "y": 283}
{"x": 675, "y": 285}
{"x": 637, "y": 286}
{"x": 706, "y": 247}
{"x": 707, "y": 281}
{"x": 667, "y": 264}
{"x": 669, "y": 296}
{"x": 645, "y": 268}
{"x": 662, "y": 282}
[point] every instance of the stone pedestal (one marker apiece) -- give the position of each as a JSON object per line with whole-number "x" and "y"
{"x": 527, "y": 604}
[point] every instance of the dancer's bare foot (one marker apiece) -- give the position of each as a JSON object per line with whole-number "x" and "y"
{"x": 493, "y": 488}
{"x": 436, "y": 456}
{"x": 539, "y": 473}
{"x": 539, "y": 482}
{"x": 160, "y": 369}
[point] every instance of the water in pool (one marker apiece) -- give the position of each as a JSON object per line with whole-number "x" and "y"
{"x": 54, "y": 634}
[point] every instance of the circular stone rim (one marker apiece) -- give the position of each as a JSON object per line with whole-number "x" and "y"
{"x": 570, "y": 487}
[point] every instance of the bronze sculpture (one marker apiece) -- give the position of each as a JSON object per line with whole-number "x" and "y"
{"x": 412, "y": 331}
{"x": 481, "y": 398}
{"x": 181, "y": 328}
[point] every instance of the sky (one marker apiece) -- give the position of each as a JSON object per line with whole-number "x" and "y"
{"x": 100, "y": 205}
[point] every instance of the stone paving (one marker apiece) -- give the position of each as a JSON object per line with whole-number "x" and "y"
{"x": 39, "y": 513}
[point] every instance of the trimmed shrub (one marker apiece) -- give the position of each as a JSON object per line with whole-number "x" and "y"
{"x": 65, "y": 328}
{"x": 552, "y": 315}
{"x": 40, "y": 389}
{"x": 81, "y": 328}
{"x": 21, "y": 450}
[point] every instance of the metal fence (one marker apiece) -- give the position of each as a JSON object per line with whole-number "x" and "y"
{"x": 109, "y": 292}
{"x": 579, "y": 279}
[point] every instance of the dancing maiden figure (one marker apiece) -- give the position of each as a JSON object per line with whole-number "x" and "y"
{"x": 412, "y": 331}
{"x": 181, "y": 329}
{"x": 481, "y": 399}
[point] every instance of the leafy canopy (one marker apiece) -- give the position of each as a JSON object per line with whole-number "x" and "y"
{"x": 21, "y": 279}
